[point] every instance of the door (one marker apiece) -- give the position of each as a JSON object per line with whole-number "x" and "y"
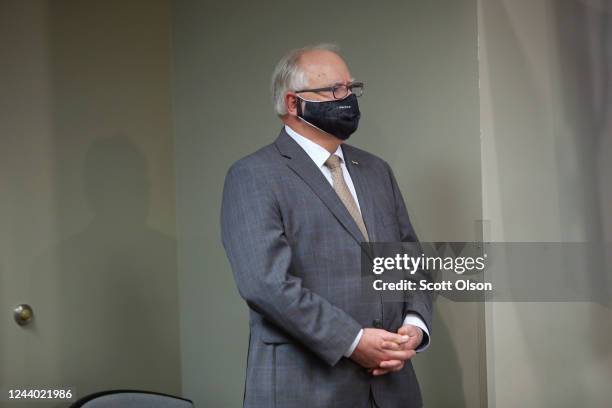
{"x": 87, "y": 213}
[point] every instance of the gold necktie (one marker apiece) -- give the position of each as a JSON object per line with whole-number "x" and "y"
{"x": 341, "y": 188}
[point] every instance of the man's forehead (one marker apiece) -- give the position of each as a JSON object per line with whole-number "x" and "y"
{"x": 324, "y": 67}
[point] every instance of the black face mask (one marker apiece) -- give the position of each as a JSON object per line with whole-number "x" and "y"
{"x": 339, "y": 117}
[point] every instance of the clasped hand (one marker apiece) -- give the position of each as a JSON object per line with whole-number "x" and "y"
{"x": 382, "y": 352}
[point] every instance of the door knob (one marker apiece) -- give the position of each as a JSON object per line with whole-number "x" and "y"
{"x": 23, "y": 314}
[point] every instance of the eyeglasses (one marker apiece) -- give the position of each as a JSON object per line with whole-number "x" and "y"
{"x": 339, "y": 91}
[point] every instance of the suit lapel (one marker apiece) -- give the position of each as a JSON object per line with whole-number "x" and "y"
{"x": 306, "y": 169}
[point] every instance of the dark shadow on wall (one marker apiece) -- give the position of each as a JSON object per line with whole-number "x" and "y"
{"x": 114, "y": 282}
{"x": 584, "y": 35}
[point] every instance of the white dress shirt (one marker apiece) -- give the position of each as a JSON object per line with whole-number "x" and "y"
{"x": 319, "y": 155}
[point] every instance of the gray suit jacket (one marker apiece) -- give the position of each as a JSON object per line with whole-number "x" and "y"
{"x": 295, "y": 253}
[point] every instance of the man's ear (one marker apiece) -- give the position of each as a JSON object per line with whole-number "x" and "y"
{"x": 291, "y": 101}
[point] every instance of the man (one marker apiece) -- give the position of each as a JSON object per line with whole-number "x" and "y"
{"x": 293, "y": 216}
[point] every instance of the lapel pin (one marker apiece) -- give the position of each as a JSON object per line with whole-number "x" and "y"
{"x": 355, "y": 162}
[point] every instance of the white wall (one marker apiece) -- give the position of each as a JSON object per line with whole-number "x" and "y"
{"x": 546, "y": 145}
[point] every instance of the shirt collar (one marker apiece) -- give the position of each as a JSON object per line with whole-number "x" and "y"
{"x": 316, "y": 152}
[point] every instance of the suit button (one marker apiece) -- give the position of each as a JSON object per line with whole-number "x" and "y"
{"x": 377, "y": 323}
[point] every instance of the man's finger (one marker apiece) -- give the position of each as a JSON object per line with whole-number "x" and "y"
{"x": 399, "y": 354}
{"x": 391, "y": 364}
{"x": 391, "y": 345}
{"x": 380, "y": 371}
{"x": 408, "y": 330}
{"x": 399, "y": 367}
{"x": 398, "y": 338}
{"x": 412, "y": 344}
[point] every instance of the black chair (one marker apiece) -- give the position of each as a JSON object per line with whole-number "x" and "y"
{"x": 131, "y": 399}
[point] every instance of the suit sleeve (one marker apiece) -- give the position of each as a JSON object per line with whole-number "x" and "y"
{"x": 260, "y": 256}
{"x": 418, "y": 302}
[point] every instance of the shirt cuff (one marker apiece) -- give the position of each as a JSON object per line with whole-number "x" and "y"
{"x": 415, "y": 320}
{"x": 354, "y": 344}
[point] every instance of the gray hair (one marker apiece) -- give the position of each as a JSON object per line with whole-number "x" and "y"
{"x": 289, "y": 76}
